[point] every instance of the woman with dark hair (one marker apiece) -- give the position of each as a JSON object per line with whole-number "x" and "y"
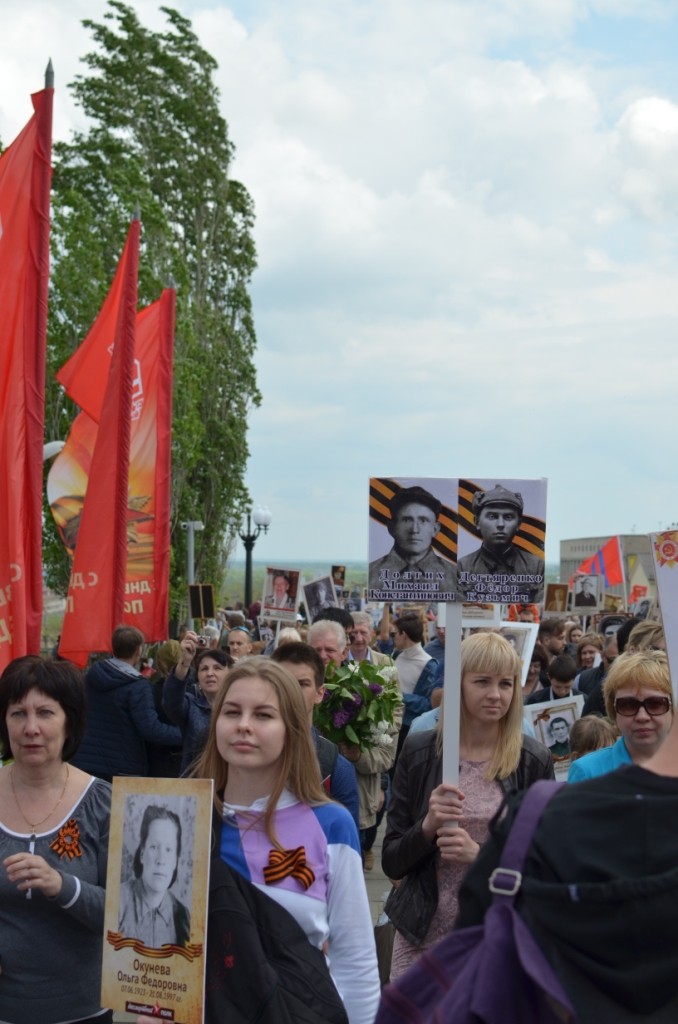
{"x": 54, "y": 821}
{"x": 189, "y": 711}
{"x": 148, "y": 910}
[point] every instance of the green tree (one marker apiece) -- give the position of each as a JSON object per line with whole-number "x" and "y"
{"x": 156, "y": 139}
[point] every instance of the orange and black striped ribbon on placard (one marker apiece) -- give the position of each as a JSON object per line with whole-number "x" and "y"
{"x": 283, "y": 863}
{"x": 531, "y": 535}
{"x": 383, "y": 489}
{"x": 191, "y": 951}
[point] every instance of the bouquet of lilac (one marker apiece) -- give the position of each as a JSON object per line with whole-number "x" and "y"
{"x": 359, "y": 704}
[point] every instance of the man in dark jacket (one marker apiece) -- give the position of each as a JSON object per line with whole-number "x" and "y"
{"x": 121, "y": 714}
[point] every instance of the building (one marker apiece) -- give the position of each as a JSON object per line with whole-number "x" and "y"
{"x": 636, "y": 557}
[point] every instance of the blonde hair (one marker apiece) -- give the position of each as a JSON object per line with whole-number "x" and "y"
{"x": 588, "y": 640}
{"x": 590, "y": 733}
{"x": 644, "y": 636}
{"x": 645, "y": 668}
{"x": 491, "y": 653}
{"x": 298, "y": 768}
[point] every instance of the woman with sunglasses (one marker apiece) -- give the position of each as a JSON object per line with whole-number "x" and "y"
{"x": 638, "y": 699}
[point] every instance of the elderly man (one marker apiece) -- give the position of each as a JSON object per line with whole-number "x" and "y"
{"x": 329, "y": 640}
{"x": 362, "y": 636}
{"x": 412, "y": 568}
{"x": 500, "y": 569}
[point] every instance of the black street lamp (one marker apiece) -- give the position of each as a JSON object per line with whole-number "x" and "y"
{"x": 262, "y": 520}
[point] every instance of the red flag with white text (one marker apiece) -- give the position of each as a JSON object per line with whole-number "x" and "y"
{"x": 96, "y": 592}
{"x": 25, "y": 176}
{"x": 148, "y": 513}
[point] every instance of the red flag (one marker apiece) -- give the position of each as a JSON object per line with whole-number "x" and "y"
{"x": 148, "y": 512}
{"x": 606, "y": 562}
{"x": 25, "y": 175}
{"x": 96, "y": 593}
{"x": 85, "y": 374}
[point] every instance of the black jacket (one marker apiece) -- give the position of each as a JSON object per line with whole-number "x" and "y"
{"x": 599, "y": 893}
{"x": 121, "y": 719}
{"x": 406, "y": 853}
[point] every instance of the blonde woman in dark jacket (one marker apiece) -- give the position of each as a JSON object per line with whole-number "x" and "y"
{"x": 422, "y": 850}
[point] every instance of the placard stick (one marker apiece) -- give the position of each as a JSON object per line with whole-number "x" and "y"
{"x": 452, "y": 703}
{"x": 665, "y": 553}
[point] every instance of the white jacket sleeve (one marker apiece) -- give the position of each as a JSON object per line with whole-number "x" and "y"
{"x": 352, "y": 953}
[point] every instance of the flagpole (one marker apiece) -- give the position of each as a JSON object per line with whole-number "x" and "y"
{"x": 623, "y": 568}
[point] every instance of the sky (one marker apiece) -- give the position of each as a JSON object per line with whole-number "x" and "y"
{"x": 467, "y": 237}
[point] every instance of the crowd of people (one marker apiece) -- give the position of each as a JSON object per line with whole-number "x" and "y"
{"x": 226, "y": 705}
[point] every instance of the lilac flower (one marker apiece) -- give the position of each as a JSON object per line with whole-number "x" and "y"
{"x": 376, "y": 688}
{"x": 340, "y": 718}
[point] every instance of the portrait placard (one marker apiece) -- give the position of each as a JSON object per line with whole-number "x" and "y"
{"x": 502, "y": 531}
{"x": 339, "y": 575}
{"x": 155, "y": 921}
{"x": 318, "y": 595}
{"x": 522, "y": 636}
{"x": 281, "y": 594}
{"x": 665, "y": 554}
{"x": 412, "y": 539}
{"x": 485, "y": 614}
{"x": 588, "y": 593}
{"x": 552, "y": 722}
{"x": 555, "y": 602}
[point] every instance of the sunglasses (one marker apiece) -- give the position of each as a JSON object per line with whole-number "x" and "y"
{"x": 630, "y": 706}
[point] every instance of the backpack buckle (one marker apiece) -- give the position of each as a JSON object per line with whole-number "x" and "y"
{"x": 505, "y": 881}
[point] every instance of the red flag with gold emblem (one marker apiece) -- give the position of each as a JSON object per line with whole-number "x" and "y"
{"x": 148, "y": 512}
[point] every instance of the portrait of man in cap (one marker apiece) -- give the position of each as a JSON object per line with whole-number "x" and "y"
{"x": 500, "y": 570}
{"x": 412, "y": 570}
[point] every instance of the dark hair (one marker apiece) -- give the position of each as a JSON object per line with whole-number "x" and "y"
{"x": 551, "y": 627}
{"x": 126, "y": 640}
{"x": 624, "y": 632}
{"x": 558, "y": 718}
{"x": 217, "y": 654}
{"x": 412, "y": 626}
{"x": 297, "y": 653}
{"x": 340, "y": 615}
{"x": 540, "y": 655}
{"x": 414, "y": 496}
{"x": 562, "y": 668}
{"x": 60, "y": 680}
{"x": 156, "y": 813}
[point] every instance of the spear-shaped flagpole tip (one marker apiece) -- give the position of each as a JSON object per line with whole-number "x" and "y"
{"x": 49, "y": 75}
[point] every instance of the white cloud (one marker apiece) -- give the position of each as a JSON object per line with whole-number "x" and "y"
{"x": 466, "y": 225}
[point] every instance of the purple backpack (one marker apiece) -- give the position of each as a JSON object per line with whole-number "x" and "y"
{"x": 494, "y": 973}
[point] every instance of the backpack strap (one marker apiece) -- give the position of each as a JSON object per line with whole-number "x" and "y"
{"x": 505, "y": 880}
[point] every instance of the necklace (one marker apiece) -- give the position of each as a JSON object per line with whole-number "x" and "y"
{"x": 35, "y": 825}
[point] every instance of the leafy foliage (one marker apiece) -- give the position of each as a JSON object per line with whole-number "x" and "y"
{"x": 156, "y": 140}
{"x": 359, "y": 704}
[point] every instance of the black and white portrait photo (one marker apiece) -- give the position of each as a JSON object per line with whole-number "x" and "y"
{"x": 155, "y": 891}
{"x": 508, "y": 517}
{"x": 412, "y": 538}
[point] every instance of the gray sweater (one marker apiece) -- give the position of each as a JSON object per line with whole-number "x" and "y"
{"x": 51, "y": 949}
